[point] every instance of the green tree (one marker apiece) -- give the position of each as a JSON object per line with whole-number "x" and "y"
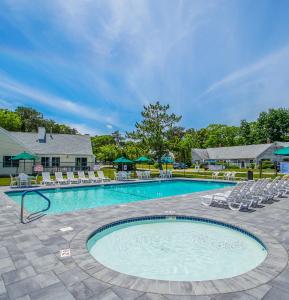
{"x": 153, "y": 131}
{"x": 108, "y": 153}
{"x": 30, "y": 118}
{"x": 9, "y": 120}
{"x": 273, "y": 125}
{"x": 221, "y": 135}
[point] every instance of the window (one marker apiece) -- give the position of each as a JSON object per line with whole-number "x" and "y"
{"x": 81, "y": 161}
{"x": 8, "y": 163}
{"x": 55, "y": 161}
{"x": 45, "y": 161}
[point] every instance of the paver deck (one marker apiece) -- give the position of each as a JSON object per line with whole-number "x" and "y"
{"x": 31, "y": 266}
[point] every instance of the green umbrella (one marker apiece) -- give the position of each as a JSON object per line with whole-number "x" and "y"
{"x": 24, "y": 156}
{"x": 122, "y": 160}
{"x": 282, "y": 151}
{"x": 167, "y": 160}
{"x": 142, "y": 159}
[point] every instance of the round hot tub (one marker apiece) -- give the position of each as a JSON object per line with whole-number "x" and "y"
{"x": 176, "y": 248}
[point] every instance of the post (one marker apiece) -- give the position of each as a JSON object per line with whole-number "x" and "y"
{"x": 260, "y": 167}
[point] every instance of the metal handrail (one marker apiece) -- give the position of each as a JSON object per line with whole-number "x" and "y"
{"x": 34, "y": 215}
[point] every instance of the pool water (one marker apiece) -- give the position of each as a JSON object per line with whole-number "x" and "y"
{"x": 75, "y": 198}
{"x": 179, "y": 250}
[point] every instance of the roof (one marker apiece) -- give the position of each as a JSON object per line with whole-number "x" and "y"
{"x": 235, "y": 152}
{"x": 202, "y": 153}
{"x": 55, "y": 143}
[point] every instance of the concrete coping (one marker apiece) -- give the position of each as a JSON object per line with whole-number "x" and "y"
{"x": 274, "y": 264}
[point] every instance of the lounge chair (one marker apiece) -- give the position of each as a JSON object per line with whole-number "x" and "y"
{"x": 23, "y": 180}
{"x": 139, "y": 174}
{"x": 59, "y": 178}
{"x": 13, "y": 181}
{"x": 100, "y": 174}
{"x": 91, "y": 176}
{"x": 147, "y": 174}
{"x": 82, "y": 178}
{"x": 215, "y": 175}
{"x": 46, "y": 179}
{"x": 34, "y": 180}
{"x": 71, "y": 179}
{"x": 162, "y": 174}
{"x": 234, "y": 199}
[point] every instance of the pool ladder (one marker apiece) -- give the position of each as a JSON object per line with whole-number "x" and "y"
{"x": 36, "y": 215}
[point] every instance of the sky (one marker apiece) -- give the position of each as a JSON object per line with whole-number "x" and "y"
{"x": 94, "y": 64}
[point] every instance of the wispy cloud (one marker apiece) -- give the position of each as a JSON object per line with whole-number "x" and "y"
{"x": 100, "y": 61}
{"x": 40, "y": 96}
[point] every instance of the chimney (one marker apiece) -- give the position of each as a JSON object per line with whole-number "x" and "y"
{"x": 41, "y": 135}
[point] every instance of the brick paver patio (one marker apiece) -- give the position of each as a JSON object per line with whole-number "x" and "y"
{"x": 31, "y": 266}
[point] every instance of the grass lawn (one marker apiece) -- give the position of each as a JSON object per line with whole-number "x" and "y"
{"x": 189, "y": 173}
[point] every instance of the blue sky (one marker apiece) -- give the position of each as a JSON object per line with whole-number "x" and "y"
{"x": 94, "y": 64}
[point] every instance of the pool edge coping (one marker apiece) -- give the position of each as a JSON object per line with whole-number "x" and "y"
{"x": 274, "y": 263}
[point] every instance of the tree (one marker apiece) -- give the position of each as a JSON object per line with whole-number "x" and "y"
{"x": 221, "y": 136}
{"x": 30, "y": 118}
{"x": 10, "y": 120}
{"x": 108, "y": 153}
{"x": 153, "y": 131}
{"x": 273, "y": 125}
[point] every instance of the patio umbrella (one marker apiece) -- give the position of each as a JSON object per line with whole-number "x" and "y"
{"x": 167, "y": 160}
{"x": 24, "y": 156}
{"x": 122, "y": 160}
{"x": 282, "y": 151}
{"x": 143, "y": 159}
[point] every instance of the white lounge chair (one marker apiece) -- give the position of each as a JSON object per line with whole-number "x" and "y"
{"x": 234, "y": 199}
{"x": 59, "y": 178}
{"x": 23, "y": 180}
{"x": 215, "y": 175}
{"x": 147, "y": 174}
{"x": 13, "y": 181}
{"x": 34, "y": 180}
{"x": 140, "y": 174}
{"x": 46, "y": 179}
{"x": 91, "y": 176}
{"x": 71, "y": 179}
{"x": 169, "y": 174}
{"x": 82, "y": 178}
{"x": 100, "y": 174}
{"x": 162, "y": 174}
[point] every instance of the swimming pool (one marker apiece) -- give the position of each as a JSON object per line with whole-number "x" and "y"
{"x": 75, "y": 198}
{"x": 178, "y": 248}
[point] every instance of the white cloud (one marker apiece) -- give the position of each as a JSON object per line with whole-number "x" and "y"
{"x": 84, "y": 129}
{"x": 109, "y": 126}
{"x": 43, "y": 97}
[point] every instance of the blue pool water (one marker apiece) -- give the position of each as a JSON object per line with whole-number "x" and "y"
{"x": 75, "y": 198}
{"x": 178, "y": 250}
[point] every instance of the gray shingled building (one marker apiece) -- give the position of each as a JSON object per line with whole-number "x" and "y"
{"x": 65, "y": 152}
{"x": 241, "y": 156}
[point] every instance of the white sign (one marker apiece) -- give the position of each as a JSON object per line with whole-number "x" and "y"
{"x": 38, "y": 168}
{"x": 284, "y": 167}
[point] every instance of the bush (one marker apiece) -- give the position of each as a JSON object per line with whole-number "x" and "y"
{"x": 267, "y": 164}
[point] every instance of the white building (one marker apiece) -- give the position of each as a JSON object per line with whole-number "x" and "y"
{"x": 241, "y": 156}
{"x": 64, "y": 152}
